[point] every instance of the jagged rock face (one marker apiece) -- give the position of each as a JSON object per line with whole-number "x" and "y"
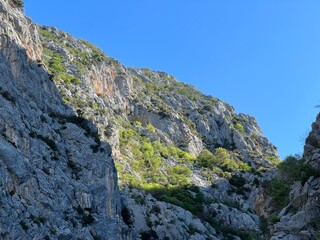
{"x": 154, "y": 122}
{"x": 213, "y": 119}
{"x": 53, "y": 184}
{"x": 165, "y": 220}
{"x": 300, "y": 219}
{"x": 21, "y": 31}
{"x": 62, "y": 182}
{"x": 311, "y": 148}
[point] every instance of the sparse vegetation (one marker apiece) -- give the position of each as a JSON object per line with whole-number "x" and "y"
{"x": 239, "y": 127}
{"x": 97, "y": 55}
{"x": 148, "y": 157}
{"x": 180, "y": 196}
{"x": 279, "y": 191}
{"x": 273, "y": 159}
{"x": 151, "y": 128}
{"x": 292, "y": 169}
{"x": 222, "y": 159}
{"x": 82, "y": 59}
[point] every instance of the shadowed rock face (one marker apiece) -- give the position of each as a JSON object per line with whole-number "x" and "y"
{"x": 52, "y": 183}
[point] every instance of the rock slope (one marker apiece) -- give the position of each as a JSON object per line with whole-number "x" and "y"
{"x": 189, "y": 166}
{"x": 300, "y": 218}
{"x": 53, "y": 185}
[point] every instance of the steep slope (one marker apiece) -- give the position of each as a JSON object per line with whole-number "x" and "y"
{"x": 202, "y": 163}
{"x": 189, "y": 166}
{"x": 300, "y": 218}
{"x": 53, "y": 185}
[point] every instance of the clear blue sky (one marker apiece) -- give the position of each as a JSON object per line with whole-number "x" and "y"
{"x": 262, "y": 57}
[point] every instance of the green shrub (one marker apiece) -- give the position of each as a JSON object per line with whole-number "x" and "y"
{"x": 149, "y": 157}
{"x": 293, "y": 168}
{"x": 279, "y": 191}
{"x": 179, "y": 175}
{"x": 97, "y": 55}
{"x": 222, "y": 159}
{"x": 47, "y": 34}
{"x": 207, "y": 159}
{"x": 45, "y": 139}
{"x": 237, "y": 181}
{"x": 273, "y": 218}
{"x": 137, "y": 123}
{"x": 264, "y": 224}
{"x": 273, "y": 159}
{"x": 180, "y": 197}
{"x": 76, "y": 169}
{"x": 155, "y": 209}
{"x": 151, "y": 128}
{"x": 239, "y": 127}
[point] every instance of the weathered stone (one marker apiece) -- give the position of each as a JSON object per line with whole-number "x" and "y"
{"x": 50, "y": 177}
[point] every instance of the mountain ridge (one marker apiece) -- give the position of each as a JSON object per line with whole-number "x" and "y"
{"x": 188, "y": 166}
{"x": 159, "y": 120}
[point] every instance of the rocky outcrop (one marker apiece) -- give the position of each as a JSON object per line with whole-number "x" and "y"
{"x": 300, "y": 219}
{"x": 157, "y": 128}
{"x": 153, "y": 219}
{"x": 53, "y": 185}
{"x": 17, "y": 28}
{"x": 189, "y": 166}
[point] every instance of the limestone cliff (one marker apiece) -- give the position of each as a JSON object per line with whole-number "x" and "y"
{"x": 189, "y": 166}
{"x": 53, "y": 186}
{"x": 180, "y": 155}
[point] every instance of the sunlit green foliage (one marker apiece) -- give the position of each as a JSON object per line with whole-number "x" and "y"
{"x": 148, "y": 159}
{"x": 151, "y": 128}
{"x": 137, "y": 123}
{"x": 97, "y": 55}
{"x": 174, "y": 87}
{"x": 239, "y": 127}
{"x": 82, "y": 59}
{"x": 47, "y": 34}
{"x": 178, "y": 175}
{"x": 222, "y": 159}
{"x": 273, "y": 159}
{"x": 54, "y": 61}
